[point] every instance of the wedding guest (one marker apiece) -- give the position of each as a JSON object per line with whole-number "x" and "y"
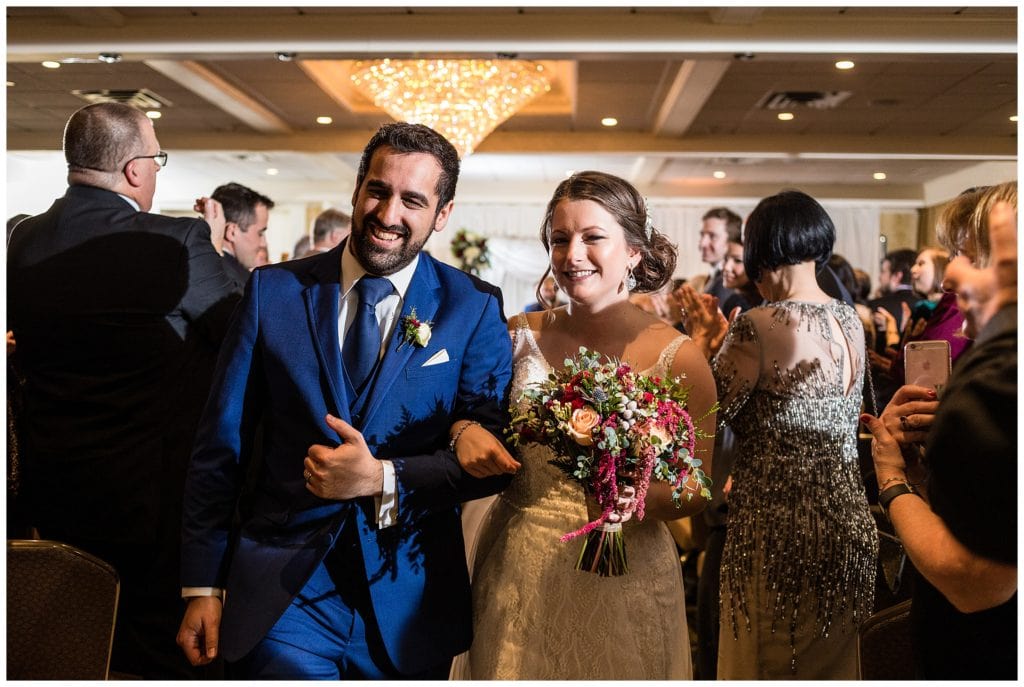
{"x": 895, "y": 288}
{"x": 329, "y": 229}
{"x": 535, "y": 616}
{"x": 247, "y": 214}
{"x": 118, "y": 315}
{"x": 719, "y": 226}
{"x": 547, "y": 296}
{"x": 936, "y": 316}
{"x": 336, "y": 552}
{"x": 745, "y": 294}
{"x": 798, "y": 570}
{"x": 959, "y": 533}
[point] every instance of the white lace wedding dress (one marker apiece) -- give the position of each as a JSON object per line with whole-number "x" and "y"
{"x": 537, "y": 618}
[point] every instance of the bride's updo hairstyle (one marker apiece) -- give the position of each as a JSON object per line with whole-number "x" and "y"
{"x": 628, "y": 207}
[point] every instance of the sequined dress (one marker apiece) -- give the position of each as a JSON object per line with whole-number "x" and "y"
{"x": 537, "y": 618}
{"x": 798, "y": 569}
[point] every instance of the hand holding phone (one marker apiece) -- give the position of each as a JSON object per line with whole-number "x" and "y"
{"x": 927, "y": 364}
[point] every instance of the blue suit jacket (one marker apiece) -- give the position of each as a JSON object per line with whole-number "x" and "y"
{"x": 280, "y": 372}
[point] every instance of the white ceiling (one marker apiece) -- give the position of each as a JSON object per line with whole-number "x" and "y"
{"x": 930, "y": 96}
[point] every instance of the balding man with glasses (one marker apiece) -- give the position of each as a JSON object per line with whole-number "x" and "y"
{"x": 117, "y": 314}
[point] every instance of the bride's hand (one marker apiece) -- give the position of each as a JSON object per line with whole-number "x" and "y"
{"x": 480, "y": 453}
{"x": 625, "y": 506}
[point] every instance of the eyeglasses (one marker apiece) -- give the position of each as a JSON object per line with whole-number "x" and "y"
{"x": 160, "y": 158}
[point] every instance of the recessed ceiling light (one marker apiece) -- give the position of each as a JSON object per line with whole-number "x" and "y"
{"x": 718, "y": 174}
{"x": 50, "y": 64}
{"x": 273, "y": 171}
{"x": 10, "y": 83}
{"x": 1013, "y": 118}
{"x": 786, "y": 116}
{"x": 609, "y": 121}
{"x": 153, "y": 114}
{"x": 880, "y": 176}
{"x": 324, "y": 120}
{"x": 845, "y": 64}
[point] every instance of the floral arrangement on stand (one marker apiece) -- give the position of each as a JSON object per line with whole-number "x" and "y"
{"x": 471, "y": 250}
{"x": 613, "y": 430}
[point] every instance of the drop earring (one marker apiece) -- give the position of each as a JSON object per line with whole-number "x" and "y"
{"x": 630, "y": 280}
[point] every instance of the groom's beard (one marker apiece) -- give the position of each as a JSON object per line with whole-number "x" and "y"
{"x": 384, "y": 261}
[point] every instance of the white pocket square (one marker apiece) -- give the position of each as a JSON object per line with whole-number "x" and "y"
{"x": 438, "y": 358}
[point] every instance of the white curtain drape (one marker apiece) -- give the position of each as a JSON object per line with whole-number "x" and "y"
{"x": 518, "y": 259}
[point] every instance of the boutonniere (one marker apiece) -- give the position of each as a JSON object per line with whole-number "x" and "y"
{"x": 415, "y": 331}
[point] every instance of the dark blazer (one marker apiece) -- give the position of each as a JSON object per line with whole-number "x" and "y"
{"x": 109, "y": 306}
{"x": 235, "y": 270}
{"x": 118, "y": 315}
{"x": 282, "y": 362}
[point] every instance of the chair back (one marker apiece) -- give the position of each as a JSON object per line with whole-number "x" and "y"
{"x": 61, "y": 604}
{"x": 884, "y": 645}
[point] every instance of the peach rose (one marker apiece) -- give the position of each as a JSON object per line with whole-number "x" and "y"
{"x": 582, "y": 423}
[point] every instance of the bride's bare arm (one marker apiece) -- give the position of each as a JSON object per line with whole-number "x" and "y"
{"x": 479, "y": 452}
{"x": 689, "y": 361}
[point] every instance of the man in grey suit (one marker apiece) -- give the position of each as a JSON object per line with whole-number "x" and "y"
{"x": 118, "y": 315}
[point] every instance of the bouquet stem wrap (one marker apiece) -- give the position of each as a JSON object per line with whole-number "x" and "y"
{"x": 604, "y": 551}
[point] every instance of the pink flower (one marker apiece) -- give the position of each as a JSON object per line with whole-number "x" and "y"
{"x": 581, "y": 425}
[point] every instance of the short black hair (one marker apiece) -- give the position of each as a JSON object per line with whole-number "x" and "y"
{"x": 240, "y": 203}
{"x": 901, "y": 260}
{"x": 786, "y": 229}
{"x": 416, "y": 138}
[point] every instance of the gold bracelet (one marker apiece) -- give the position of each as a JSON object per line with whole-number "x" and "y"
{"x": 883, "y": 485}
{"x": 455, "y": 439}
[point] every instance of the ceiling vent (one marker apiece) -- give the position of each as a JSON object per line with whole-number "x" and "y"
{"x": 143, "y": 99}
{"x": 788, "y": 100}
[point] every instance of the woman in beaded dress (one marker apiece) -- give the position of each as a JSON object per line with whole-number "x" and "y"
{"x": 534, "y": 615}
{"x": 798, "y": 569}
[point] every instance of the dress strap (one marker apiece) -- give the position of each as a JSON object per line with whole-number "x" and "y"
{"x": 669, "y": 354}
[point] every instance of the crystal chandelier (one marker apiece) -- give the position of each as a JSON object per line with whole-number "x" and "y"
{"x": 464, "y": 100}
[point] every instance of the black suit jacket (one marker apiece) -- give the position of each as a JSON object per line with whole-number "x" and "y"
{"x": 236, "y": 272}
{"x": 118, "y": 315}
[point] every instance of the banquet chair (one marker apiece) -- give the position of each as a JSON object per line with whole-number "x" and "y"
{"x": 884, "y": 645}
{"x": 61, "y": 603}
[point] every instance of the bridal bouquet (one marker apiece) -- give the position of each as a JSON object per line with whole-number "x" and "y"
{"x": 613, "y": 430}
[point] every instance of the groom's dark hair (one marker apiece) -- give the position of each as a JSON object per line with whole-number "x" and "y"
{"x": 416, "y": 138}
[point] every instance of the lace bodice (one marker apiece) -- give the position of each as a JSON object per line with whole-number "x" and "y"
{"x": 535, "y": 616}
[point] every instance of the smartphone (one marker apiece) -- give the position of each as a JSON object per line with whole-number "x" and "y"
{"x": 927, "y": 364}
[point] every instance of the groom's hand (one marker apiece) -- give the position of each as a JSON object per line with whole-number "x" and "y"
{"x": 345, "y": 471}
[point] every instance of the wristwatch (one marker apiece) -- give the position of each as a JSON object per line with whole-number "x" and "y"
{"x": 886, "y": 497}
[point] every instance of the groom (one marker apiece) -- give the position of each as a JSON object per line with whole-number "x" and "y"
{"x": 322, "y": 536}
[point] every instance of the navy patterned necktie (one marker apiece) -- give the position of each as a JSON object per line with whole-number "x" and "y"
{"x": 362, "y": 341}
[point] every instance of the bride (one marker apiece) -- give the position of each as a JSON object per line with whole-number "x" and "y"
{"x": 534, "y": 615}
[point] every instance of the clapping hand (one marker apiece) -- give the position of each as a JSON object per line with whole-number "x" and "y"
{"x": 704, "y": 322}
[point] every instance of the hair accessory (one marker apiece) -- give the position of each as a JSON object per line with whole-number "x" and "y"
{"x": 648, "y": 224}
